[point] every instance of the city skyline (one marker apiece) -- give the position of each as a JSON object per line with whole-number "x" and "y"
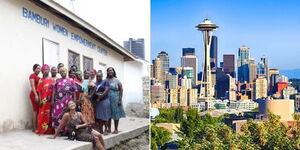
{"x": 262, "y": 29}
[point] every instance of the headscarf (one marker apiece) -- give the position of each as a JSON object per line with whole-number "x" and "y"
{"x": 78, "y": 72}
{"x": 44, "y": 67}
{"x": 64, "y": 69}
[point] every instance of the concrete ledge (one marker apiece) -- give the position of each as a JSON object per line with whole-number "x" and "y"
{"x": 130, "y": 127}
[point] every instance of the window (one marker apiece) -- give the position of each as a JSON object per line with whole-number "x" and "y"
{"x": 103, "y": 68}
{"x": 87, "y": 63}
{"x": 73, "y": 59}
{"x": 50, "y": 52}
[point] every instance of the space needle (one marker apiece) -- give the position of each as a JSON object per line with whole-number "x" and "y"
{"x": 206, "y": 89}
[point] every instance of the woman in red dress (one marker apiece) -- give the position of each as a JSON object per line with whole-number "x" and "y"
{"x": 34, "y": 97}
{"x": 45, "y": 89}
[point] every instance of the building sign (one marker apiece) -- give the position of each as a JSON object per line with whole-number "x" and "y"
{"x": 37, "y": 18}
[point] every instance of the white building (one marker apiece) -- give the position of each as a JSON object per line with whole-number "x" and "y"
{"x": 186, "y": 83}
{"x": 288, "y": 91}
{"x": 42, "y": 31}
{"x": 243, "y": 104}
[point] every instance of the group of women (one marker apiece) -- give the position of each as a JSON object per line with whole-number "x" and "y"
{"x": 74, "y": 105}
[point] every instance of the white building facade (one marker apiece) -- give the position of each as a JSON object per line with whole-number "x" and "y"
{"x": 44, "y": 32}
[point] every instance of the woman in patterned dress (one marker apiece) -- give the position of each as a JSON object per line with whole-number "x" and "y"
{"x": 44, "y": 89}
{"x": 115, "y": 96}
{"x": 63, "y": 92}
{"x": 79, "y": 128}
{"x": 87, "y": 108}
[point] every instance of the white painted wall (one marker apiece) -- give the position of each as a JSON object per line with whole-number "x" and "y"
{"x": 21, "y": 47}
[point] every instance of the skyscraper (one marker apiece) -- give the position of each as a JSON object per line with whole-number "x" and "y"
{"x": 135, "y": 46}
{"x": 188, "y": 51}
{"x": 222, "y": 83}
{"x": 229, "y": 65}
{"x": 214, "y": 52}
{"x": 189, "y": 59}
{"x": 188, "y": 72}
{"x": 186, "y": 83}
{"x": 158, "y": 70}
{"x": 260, "y": 88}
{"x": 252, "y": 70}
{"x": 263, "y": 68}
{"x": 164, "y": 57}
{"x": 243, "y": 64}
{"x": 172, "y": 77}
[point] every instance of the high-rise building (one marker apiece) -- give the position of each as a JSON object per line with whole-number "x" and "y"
{"x": 189, "y": 59}
{"x": 172, "y": 78}
{"x": 263, "y": 68}
{"x": 151, "y": 71}
{"x": 182, "y": 97}
{"x": 214, "y": 52}
{"x": 188, "y": 72}
{"x": 188, "y": 51}
{"x": 135, "y": 46}
{"x": 260, "y": 88}
{"x": 157, "y": 93}
{"x": 243, "y": 64}
{"x": 272, "y": 79}
{"x": 186, "y": 83}
{"x": 222, "y": 83}
{"x": 252, "y": 70}
{"x": 158, "y": 70}
{"x": 232, "y": 89}
{"x": 228, "y": 64}
{"x": 164, "y": 57}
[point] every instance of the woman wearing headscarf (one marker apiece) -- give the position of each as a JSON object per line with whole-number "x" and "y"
{"x": 34, "y": 97}
{"x": 87, "y": 108}
{"x": 115, "y": 96}
{"x": 44, "y": 89}
{"x": 64, "y": 91}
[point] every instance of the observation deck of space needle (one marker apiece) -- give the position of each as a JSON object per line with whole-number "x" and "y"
{"x": 206, "y": 89}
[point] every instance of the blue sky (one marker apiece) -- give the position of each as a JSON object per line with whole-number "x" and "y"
{"x": 267, "y": 27}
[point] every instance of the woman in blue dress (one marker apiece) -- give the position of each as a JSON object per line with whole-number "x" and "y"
{"x": 115, "y": 95}
{"x": 102, "y": 103}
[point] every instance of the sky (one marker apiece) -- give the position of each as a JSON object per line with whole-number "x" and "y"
{"x": 118, "y": 19}
{"x": 269, "y": 28}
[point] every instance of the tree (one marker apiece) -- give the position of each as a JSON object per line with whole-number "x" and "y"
{"x": 159, "y": 137}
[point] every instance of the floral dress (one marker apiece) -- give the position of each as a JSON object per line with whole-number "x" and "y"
{"x": 87, "y": 108}
{"x": 64, "y": 92}
{"x": 117, "y": 111}
{"x": 45, "y": 89}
